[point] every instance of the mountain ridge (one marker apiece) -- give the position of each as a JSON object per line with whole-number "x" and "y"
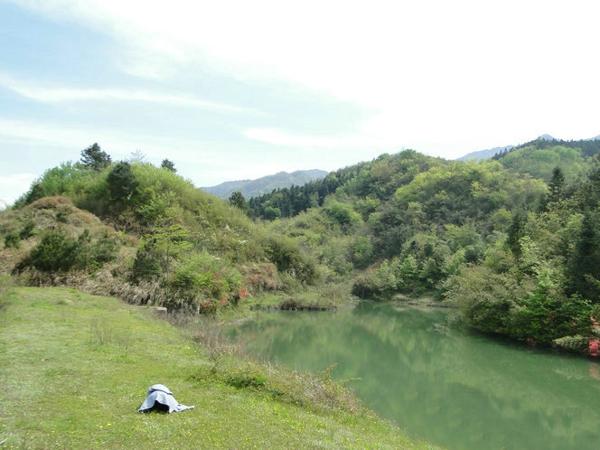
{"x": 263, "y": 185}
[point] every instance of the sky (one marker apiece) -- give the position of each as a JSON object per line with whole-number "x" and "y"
{"x": 241, "y": 89}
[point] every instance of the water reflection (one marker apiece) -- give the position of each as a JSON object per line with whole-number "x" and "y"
{"x": 457, "y": 390}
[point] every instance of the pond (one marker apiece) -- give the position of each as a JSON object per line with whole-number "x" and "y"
{"x": 437, "y": 382}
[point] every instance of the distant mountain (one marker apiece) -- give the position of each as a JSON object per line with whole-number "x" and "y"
{"x": 546, "y": 137}
{"x": 480, "y": 155}
{"x": 264, "y": 185}
{"x": 597, "y": 138}
{"x": 484, "y": 154}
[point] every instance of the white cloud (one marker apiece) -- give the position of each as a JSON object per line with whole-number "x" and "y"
{"x": 462, "y": 73}
{"x": 12, "y": 186}
{"x": 69, "y": 94}
{"x": 121, "y": 144}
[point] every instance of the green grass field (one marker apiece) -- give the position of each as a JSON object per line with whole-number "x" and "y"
{"x": 74, "y": 368}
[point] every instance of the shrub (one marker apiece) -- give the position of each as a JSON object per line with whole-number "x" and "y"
{"x": 94, "y": 254}
{"x": 335, "y": 254}
{"x": 379, "y": 283}
{"x": 542, "y": 318}
{"x": 577, "y": 343}
{"x": 12, "y": 240}
{"x": 27, "y": 230}
{"x": 287, "y": 256}
{"x": 261, "y": 277}
{"x": 342, "y": 214}
{"x": 272, "y": 213}
{"x": 147, "y": 263}
{"x": 202, "y": 278}
{"x": 55, "y": 253}
{"x": 485, "y": 299}
{"x": 104, "y": 250}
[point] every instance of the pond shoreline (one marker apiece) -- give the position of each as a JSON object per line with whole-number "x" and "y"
{"x": 413, "y": 368}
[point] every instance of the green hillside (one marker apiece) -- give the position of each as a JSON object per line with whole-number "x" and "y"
{"x": 146, "y": 235}
{"x": 538, "y": 158}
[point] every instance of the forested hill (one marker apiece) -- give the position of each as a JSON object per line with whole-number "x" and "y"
{"x": 378, "y": 178}
{"x": 513, "y": 242}
{"x": 537, "y": 158}
{"x": 253, "y": 188}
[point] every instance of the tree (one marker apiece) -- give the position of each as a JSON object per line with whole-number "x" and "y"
{"x": 516, "y": 232}
{"x": 169, "y": 165}
{"x": 584, "y": 270}
{"x": 556, "y": 185}
{"x": 160, "y": 250}
{"x": 121, "y": 182}
{"x": 237, "y": 199}
{"x": 94, "y": 158}
{"x": 271, "y": 213}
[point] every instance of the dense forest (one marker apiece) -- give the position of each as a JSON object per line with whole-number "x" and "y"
{"x": 512, "y": 242}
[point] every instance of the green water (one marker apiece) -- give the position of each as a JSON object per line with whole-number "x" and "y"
{"x": 440, "y": 384}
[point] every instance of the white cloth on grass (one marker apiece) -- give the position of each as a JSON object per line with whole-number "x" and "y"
{"x": 159, "y": 393}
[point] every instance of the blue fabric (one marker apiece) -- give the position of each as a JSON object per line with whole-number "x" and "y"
{"x": 163, "y": 395}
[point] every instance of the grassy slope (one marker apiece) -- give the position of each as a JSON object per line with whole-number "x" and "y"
{"x": 74, "y": 368}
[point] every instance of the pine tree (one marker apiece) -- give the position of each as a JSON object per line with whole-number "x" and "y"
{"x": 94, "y": 158}
{"x": 169, "y": 165}
{"x": 556, "y": 185}
{"x": 121, "y": 182}
{"x": 584, "y": 268}
{"x": 237, "y": 199}
{"x": 516, "y": 232}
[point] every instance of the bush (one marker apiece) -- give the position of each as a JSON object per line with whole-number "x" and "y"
{"x": 342, "y": 214}
{"x": 379, "y": 283}
{"x": 55, "y": 253}
{"x": 542, "y": 318}
{"x": 94, "y": 254}
{"x": 272, "y": 213}
{"x": 203, "y": 278}
{"x": 261, "y": 277}
{"x": 576, "y": 344}
{"x": 287, "y": 256}
{"x": 12, "y": 240}
{"x": 147, "y": 263}
{"x": 27, "y": 230}
{"x": 485, "y": 299}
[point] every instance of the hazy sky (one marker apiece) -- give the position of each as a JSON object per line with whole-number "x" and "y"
{"x": 241, "y": 89}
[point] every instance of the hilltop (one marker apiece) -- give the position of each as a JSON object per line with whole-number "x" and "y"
{"x": 144, "y": 234}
